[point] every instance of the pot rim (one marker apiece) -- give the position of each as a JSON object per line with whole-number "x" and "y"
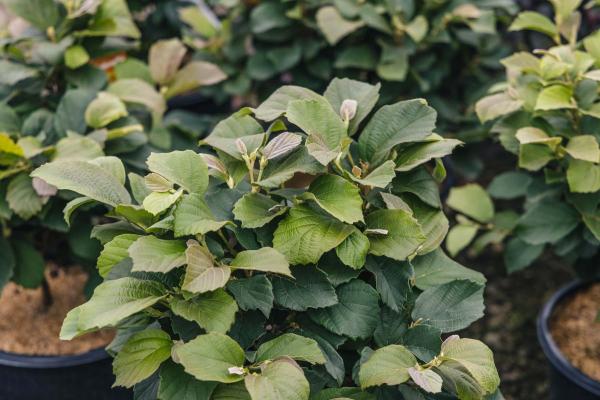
{"x": 549, "y": 346}
{"x": 46, "y": 362}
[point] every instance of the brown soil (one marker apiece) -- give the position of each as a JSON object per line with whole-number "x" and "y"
{"x": 513, "y": 303}
{"x": 576, "y": 331}
{"x": 29, "y": 327}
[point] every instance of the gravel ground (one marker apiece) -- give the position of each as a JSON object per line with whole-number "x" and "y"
{"x": 512, "y": 304}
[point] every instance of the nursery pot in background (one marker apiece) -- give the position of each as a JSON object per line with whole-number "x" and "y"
{"x": 566, "y": 381}
{"x": 84, "y": 376}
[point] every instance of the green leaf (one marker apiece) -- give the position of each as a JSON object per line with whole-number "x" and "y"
{"x": 282, "y": 379}
{"x": 22, "y": 197}
{"x": 364, "y": 94}
{"x": 583, "y": 176}
{"x": 158, "y": 202}
{"x": 451, "y": 306}
{"x": 201, "y": 274}
{"x": 434, "y": 225}
{"x": 255, "y": 293}
{"x": 333, "y": 26}
{"x": 152, "y": 254}
{"x": 473, "y": 201}
{"x": 256, "y": 209}
{"x": 29, "y": 265}
{"x": 104, "y": 109}
{"x": 324, "y": 127}
{"x": 354, "y": 249}
{"x": 387, "y": 366}
{"x": 309, "y": 289}
{"x": 509, "y": 185}
{"x": 547, "y": 222}
{"x": 420, "y": 153}
{"x": 496, "y": 105}
{"x": 209, "y": 357}
{"x": 232, "y": 391}
{"x": 137, "y": 91}
{"x": 265, "y": 259}
{"x": 40, "y": 13}
{"x": 76, "y": 56}
{"x": 392, "y": 280}
{"x": 555, "y": 97}
{"x": 338, "y": 197}
{"x": 141, "y": 356}
{"x": 77, "y": 148}
{"x": 536, "y": 149}
{"x": 86, "y": 179}
{"x": 402, "y": 122}
{"x": 7, "y": 262}
{"x": 585, "y": 148}
{"x": 176, "y": 384}
{"x": 277, "y": 103}
{"x": 112, "y": 19}
{"x": 459, "y": 237}
{"x": 164, "y": 59}
{"x": 357, "y": 313}
{"x": 114, "y": 252}
{"x": 199, "y": 20}
{"x": 305, "y": 235}
{"x": 185, "y": 168}
{"x": 213, "y": 311}
{"x": 396, "y": 234}
{"x": 420, "y": 183}
{"x": 280, "y": 171}
{"x": 426, "y": 379}
{"x": 194, "y": 75}
{"x": 519, "y": 254}
{"x": 476, "y": 358}
{"x": 193, "y": 217}
{"x": 293, "y": 346}
{"x": 380, "y": 177}
{"x": 531, "y": 20}
{"x": 70, "y": 113}
{"x": 237, "y": 127}
{"x": 115, "y": 300}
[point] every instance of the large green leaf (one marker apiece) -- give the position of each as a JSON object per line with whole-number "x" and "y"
{"x": 213, "y": 311}
{"x": 379, "y": 177}
{"x": 402, "y": 122}
{"x": 255, "y": 210}
{"x": 509, "y": 185}
{"x": 164, "y": 59}
{"x": 141, "y": 356}
{"x": 420, "y": 153}
{"x": 104, "y": 109}
{"x": 338, "y": 197}
{"x": 280, "y": 171}
{"x": 420, "y": 183}
{"x": 324, "y": 127}
{"x": 112, "y": 19}
{"x": 436, "y": 268}
{"x": 396, "y": 234}
{"x": 86, "y": 179}
{"x": 496, "y": 105}
{"x": 309, "y": 289}
{"x": 585, "y": 148}
{"x": 193, "y": 217}
{"x": 555, "y": 97}
{"x": 114, "y": 252}
{"x": 276, "y": 104}
{"x": 265, "y": 259}
{"x": 305, "y": 235}
{"x": 472, "y": 200}
{"x": 392, "y": 280}
{"x": 354, "y": 249}
{"x": 40, "y": 13}
{"x": 364, "y": 94}
{"x": 185, "y": 168}
{"x": 535, "y": 21}
{"x": 476, "y": 358}
{"x": 583, "y": 176}
{"x": 176, "y": 384}
{"x": 70, "y": 113}
{"x": 547, "y": 222}
{"x": 112, "y": 302}
{"x": 209, "y": 357}
{"x": 451, "y": 306}
{"x": 152, "y": 254}
{"x": 293, "y": 346}
{"x": 281, "y": 379}
{"x": 254, "y": 293}
{"x": 387, "y": 366}
{"x": 194, "y": 75}
{"x": 137, "y": 91}
{"x": 357, "y": 313}
{"x": 158, "y": 202}
{"x": 29, "y": 265}
{"x": 201, "y": 274}
{"x": 238, "y": 127}
{"x": 333, "y": 25}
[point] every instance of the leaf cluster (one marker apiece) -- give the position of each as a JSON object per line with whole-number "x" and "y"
{"x": 546, "y": 114}
{"x": 286, "y": 260}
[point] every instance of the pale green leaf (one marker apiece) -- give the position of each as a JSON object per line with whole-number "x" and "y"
{"x": 201, "y": 273}
{"x": 152, "y": 254}
{"x": 114, "y": 252}
{"x": 293, "y": 346}
{"x": 193, "y": 217}
{"x": 338, "y": 197}
{"x": 265, "y": 259}
{"x": 473, "y": 201}
{"x": 387, "y": 366}
{"x": 255, "y": 210}
{"x": 185, "y": 168}
{"x": 333, "y": 25}
{"x": 104, "y": 109}
{"x": 396, "y": 234}
{"x": 281, "y": 379}
{"x": 213, "y": 311}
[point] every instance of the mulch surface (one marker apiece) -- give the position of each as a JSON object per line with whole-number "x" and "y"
{"x": 512, "y": 305}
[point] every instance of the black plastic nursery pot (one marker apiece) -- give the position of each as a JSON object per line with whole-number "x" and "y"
{"x": 566, "y": 381}
{"x": 85, "y": 376}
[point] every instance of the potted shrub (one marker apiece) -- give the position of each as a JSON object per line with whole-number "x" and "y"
{"x": 547, "y": 115}
{"x": 58, "y": 104}
{"x": 287, "y": 259}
